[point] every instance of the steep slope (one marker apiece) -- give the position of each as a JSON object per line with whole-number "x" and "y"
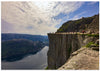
{"x": 62, "y": 44}
{"x": 60, "y": 48}
{"x": 16, "y": 49}
{"x": 87, "y": 24}
{"x": 94, "y": 25}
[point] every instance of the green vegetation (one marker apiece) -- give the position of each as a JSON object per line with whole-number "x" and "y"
{"x": 91, "y": 43}
{"x": 91, "y": 35}
{"x": 91, "y": 23}
{"x": 63, "y": 28}
{"x": 46, "y": 68}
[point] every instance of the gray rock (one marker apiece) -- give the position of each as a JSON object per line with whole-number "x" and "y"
{"x": 86, "y": 59}
{"x": 95, "y": 48}
{"x": 92, "y": 45}
{"x": 88, "y": 32}
{"x": 87, "y": 40}
{"x": 60, "y": 48}
{"x": 62, "y": 45}
{"x": 97, "y": 42}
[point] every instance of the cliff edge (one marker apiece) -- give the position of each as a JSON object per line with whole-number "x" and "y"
{"x": 82, "y": 59}
{"x": 71, "y": 36}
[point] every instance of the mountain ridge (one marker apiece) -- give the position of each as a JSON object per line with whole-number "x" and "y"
{"x": 10, "y": 36}
{"x": 85, "y": 23}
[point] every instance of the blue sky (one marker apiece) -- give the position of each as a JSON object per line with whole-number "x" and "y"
{"x": 42, "y": 17}
{"x": 88, "y": 9}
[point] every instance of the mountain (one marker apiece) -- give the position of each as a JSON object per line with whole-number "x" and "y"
{"x": 10, "y": 36}
{"x": 16, "y": 46}
{"x": 89, "y": 24}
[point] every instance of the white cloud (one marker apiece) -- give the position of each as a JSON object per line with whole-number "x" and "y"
{"x": 66, "y": 7}
{"x": 34, "y": 17}
{"x": 78, "y": 16}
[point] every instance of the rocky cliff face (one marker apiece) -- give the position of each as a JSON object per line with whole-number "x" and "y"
{"x": 61, "y": 45}
{"x": 82, "y": 59}
{"x": 60, "y": 48}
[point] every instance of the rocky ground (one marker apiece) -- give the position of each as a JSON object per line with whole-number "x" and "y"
{"x": 82, "y": 59}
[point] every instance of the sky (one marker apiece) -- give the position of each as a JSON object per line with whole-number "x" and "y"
{"x": 42, "y": 17}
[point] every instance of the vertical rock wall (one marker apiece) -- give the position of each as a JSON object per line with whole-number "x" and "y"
{"x": 60, "y": 48}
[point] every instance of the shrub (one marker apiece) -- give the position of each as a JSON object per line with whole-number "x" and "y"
{"x": 89, "y": 44}
{"x": 91, "y": 35}
{"x": 60, "y": 30}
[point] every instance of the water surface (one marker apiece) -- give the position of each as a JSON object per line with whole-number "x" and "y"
{"x": 36, "y": 61}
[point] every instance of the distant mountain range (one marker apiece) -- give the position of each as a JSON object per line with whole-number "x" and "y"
{"x": 16, "y": 46}
{"x": 10, "y": 36}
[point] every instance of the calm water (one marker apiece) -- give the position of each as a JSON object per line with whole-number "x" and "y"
{"x": 36, "y": 61}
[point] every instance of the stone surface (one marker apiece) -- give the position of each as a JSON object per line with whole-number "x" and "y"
{"x": 92, "y": 45}
{"x": 88, "y": 39}
{"x": 88, "y": 32}
{"x": 95, "y": 48}
{"x": 61, "y": 45}
{"x": 60, "y": 48}
{"x": 97, "y": 42}
{"x": 86, "y": 59}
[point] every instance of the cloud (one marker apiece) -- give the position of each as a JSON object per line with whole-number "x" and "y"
{"x": 78, "y": 16}
{"x": 66, "y": 7}
{"x": 91, "y": 3}
{"x": 34, "y": 17}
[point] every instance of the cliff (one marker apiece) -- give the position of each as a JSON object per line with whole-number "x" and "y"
{"x": 82, "y": 59}
{"x": 69, "y": 39}
{"x": 60, "y": 48}
{"x": 61, "y": 45}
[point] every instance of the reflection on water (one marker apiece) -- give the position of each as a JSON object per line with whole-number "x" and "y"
{"x": 36, "y": 61}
